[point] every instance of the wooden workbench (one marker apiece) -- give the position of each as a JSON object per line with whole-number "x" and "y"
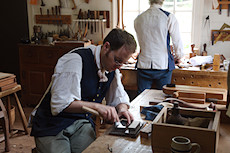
{"x": 121, "y": 144}
{"x": 213, "y": 79}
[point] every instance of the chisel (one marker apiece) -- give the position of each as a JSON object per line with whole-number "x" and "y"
{"x": 228, "y": 8}
{"x": 220, "y": 7}
{"x": 94, "y": 112}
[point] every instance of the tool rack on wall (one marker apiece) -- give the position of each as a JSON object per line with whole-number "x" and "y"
{"x": 53, "y": 19}
{"x": 220, "y": 35}
{"x": 224, "y": 4}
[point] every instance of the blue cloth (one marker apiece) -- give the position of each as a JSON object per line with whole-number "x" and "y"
{"x": 45, "y": 124}
{"x": 151, "y": 112}
{"x": 146, "y": 77}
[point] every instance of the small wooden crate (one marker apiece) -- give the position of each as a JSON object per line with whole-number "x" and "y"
{"x": 162, "y": 133}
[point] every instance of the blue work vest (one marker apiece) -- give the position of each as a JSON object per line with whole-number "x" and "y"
{"x": 45, "y": 124}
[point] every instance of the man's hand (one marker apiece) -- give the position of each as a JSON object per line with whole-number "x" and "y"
{"x": 123, "y": 111}
{"x": 108, "y": 113}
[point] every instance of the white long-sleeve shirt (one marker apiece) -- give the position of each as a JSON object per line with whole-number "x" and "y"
{"x": 66, "y": 80}
{"x": 152, "y": 27}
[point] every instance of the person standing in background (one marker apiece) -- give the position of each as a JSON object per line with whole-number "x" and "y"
{"x": 155, "y": 63}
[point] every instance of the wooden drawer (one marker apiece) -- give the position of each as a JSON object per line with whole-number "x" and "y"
{"x": 49, "y": 56}
{"x": 29, "y": 55}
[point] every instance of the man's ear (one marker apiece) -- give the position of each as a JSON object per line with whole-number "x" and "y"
{"x": 106, "y": 46}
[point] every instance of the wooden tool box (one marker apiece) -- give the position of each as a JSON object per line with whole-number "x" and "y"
{"x": 207, "y": 138}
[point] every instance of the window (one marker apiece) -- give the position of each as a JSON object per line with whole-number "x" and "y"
{"x": 181, "y": 8}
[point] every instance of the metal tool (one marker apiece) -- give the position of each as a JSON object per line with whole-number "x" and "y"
{"x": 220, "y": 7}
{"x": 228, "y": 8}
{"x": 118, "y": 14}
{"x": 42, "y": 3}
{"x": 94, "y": 112}
{"x": 74, "y": 5}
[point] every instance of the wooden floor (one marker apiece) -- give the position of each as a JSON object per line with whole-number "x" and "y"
{"x": 19, "y": 142}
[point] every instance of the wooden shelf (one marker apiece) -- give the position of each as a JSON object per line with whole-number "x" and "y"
{"x": 53, "y": 19}
{"x": 224, "y": 4}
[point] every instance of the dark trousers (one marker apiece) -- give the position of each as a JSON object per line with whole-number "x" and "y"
{"x": 146, "y": 77}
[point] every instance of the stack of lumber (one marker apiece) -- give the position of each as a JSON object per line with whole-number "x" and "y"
{"x": 7, "y": 81}
{"x": 195, "y": 94}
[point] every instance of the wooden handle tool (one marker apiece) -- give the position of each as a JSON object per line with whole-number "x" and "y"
{"x": 90, "y": 110}
{"x": 74, "y": 5}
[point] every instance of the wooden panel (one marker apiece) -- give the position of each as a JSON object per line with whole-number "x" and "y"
{"x": 224, "y": 4}
{"x": 181, "y": 77}
{"x": 192, "y": 100}
{"x": 129, "y": 79}
{"x": 37, "y": 64}
{"x": 49, "y": 56}
{"x": 53, "y": 19}
{"x": 200, "y": 78}
{"x": 186, "y": 94}
{"x": 28, "y": 55}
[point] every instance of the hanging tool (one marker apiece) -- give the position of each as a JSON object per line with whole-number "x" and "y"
{"x": 206, "y": 20}
{"x": 59, "y": 12}
{"x": 118, "y": 14}
{"x": 42, "y": 3}
{"x": 33, "y": 2}
{"x": 98, "y": 15}
{"x": 74, "y": 5}
{"x": 41, "y": 11}
{"x": 95, "y": 24}
{"x": 60, "y": 4}
{"x": 56, "y": 13}
{"x": 213, "y": 36}
{"x": 48, "y": 15}
{"x": 220, "y": 7}
{"x": 221, "y": 33}
{"x": 228, "y": 8}
{"x": 104, "y": 17}
{"x": 122, "y": 14}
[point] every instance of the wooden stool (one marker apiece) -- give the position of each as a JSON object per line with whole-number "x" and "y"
{"x": 8, "y": 106}
{"x": 5, "y": 125}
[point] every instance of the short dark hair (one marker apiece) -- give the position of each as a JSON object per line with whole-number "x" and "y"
{"x": 118, "y": 37}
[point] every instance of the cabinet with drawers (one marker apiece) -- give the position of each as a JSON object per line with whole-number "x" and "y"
{"x": 37, "y": 63}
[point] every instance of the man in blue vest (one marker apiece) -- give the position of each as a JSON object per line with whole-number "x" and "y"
{"x": 154, "y": 27}
{"x": 83, "y": 77}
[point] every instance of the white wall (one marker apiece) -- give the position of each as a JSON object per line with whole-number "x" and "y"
{"x": 92, "y": 5}
{"x": 216, "y": 21}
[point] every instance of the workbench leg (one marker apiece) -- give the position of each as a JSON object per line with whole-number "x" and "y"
{"x": 5, "y": 126}
{"x": 22, "y": 114}
{"x": 8, "y": 108}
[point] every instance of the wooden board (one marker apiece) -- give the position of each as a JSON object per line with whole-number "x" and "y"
{"x": 5, "y": 75}
{"x": 7, "y": 81}
{"x": 216, "y": 93}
